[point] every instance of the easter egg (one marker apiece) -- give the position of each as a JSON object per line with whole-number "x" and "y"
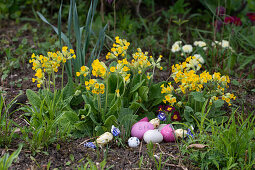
{"x": 139, "y": 128}
{"x": 133, "y": 142}
{"x": 104, "y": 139}
{"x": 180, "y": 133}
{"x": 155, "y": 122}
{"x": 168, "y": 133}
{"x": 153, "y": 136}
{"x": 161, "y": 127}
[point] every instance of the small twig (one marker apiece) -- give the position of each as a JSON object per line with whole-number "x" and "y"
{"x": 166, "y": 153}
{"x": 154, "y": 13}
{"x": 180, "y": 166}
{"x": 86, "y": 140}
{"x": 138, "y": 8}
{"x": 141, "y": 144}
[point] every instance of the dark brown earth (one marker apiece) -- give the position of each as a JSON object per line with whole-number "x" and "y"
{"x": 118, "y": 157}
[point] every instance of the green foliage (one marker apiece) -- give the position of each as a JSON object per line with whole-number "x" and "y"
{"x": 196, "y": 108}
{"x": 6, "y": 160}
{"x": 92, "y": 166}
{"x": 157, "y": 160}
{"x": 7, "y": 131}
{"x": 47, "y": 118}
{"x": 229, "y": 144}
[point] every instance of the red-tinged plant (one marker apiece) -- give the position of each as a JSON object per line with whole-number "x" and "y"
{"x": 251, "y": 16}
{"x": 235, "y": 20}
{"x": 220, "y": 11}
{"x": 228, "y": 20}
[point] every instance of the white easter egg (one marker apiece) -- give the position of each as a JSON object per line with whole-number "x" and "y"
{"x": 153, "y": 136}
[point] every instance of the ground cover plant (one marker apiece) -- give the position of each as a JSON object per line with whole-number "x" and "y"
{"x": 73, "y": 85}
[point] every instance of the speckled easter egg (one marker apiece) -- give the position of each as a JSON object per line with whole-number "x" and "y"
{"x": 153, "y": 136}
{"x": 145, "y": 119}
{"x": 168, "y": 133}
{"x": 139, "y": 128}
{"x": 133, "y": 142}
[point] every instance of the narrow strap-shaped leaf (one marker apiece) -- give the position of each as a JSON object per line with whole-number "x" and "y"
{"x": 87, "y": 32}
{"x": 59, "y": 24}
{"x": 88, "y": 25}
{"x": 68, "y": 64}
{"x": 79, "y": 60}
{"x": 63, "y": 36}
{"x": 100, "y": 44}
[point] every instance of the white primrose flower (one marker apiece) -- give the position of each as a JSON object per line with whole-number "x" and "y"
{"x": 175, "y": 47}
{"x": 178, "y": 42}
{"x": 187, "y": 48}
{"x": 199, "y": 58}
{"x": 225, "y": 44}
{"x": 200, "y": 43}
{"x": 215, "y": 43}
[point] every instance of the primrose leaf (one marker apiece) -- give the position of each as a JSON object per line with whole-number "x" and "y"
{"x": 198, "y": 96}
{"x": 33, "y": 98}
{"x": 138, "y": 85}
{"x": 143, "y": 92}
{"x": 218, "y": 103}
{"x": 111, "y": 120}
{"x": 71, "y": 116}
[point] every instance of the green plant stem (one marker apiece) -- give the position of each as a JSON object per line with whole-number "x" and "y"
{"x": 100, "y": 108}
{"x": 53, "y": 77}
{"x": 49, "y": 81}
{"x": 153, "y": 72}
{"x": 114, "y": 8}
{"x": 62, "y": 81}
{"x": 106, "y": 94}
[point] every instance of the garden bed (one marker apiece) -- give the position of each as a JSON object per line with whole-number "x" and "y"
{"x": 57, "y": 110}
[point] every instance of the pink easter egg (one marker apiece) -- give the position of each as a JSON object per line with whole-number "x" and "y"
{"x": 139, "y": 128}
{"x": 145, "y": 119}
{"x": 168, "y": 133}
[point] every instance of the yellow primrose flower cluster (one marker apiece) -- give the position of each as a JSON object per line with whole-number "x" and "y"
{"x": 83, "y": 71}
{"x": 142, "y": 62}
{"x": 119, "y": 48}
{"x": 186, "y": 77}
{"x": 227, "y": 97}
{"x": 98, "y": 68}
{"x": 50, "y": 63}
{"x": 122, "y": 68}
{"x": 95, "y": 87}
{"x": 169, "y": 97}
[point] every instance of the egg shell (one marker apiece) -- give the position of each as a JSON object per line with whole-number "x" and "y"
{"x": 155, "y": 122}
{"x": 161, "y": 127}
{"x": 104, "y": 139}
{"x": 139, "y": 128}
{"x": 168, "y": 134}
{"x": 180, "y": 133}
{"x": 133, "y": 142}
{"x": 145, "y": 119}
{"x": 153, "y": 136}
